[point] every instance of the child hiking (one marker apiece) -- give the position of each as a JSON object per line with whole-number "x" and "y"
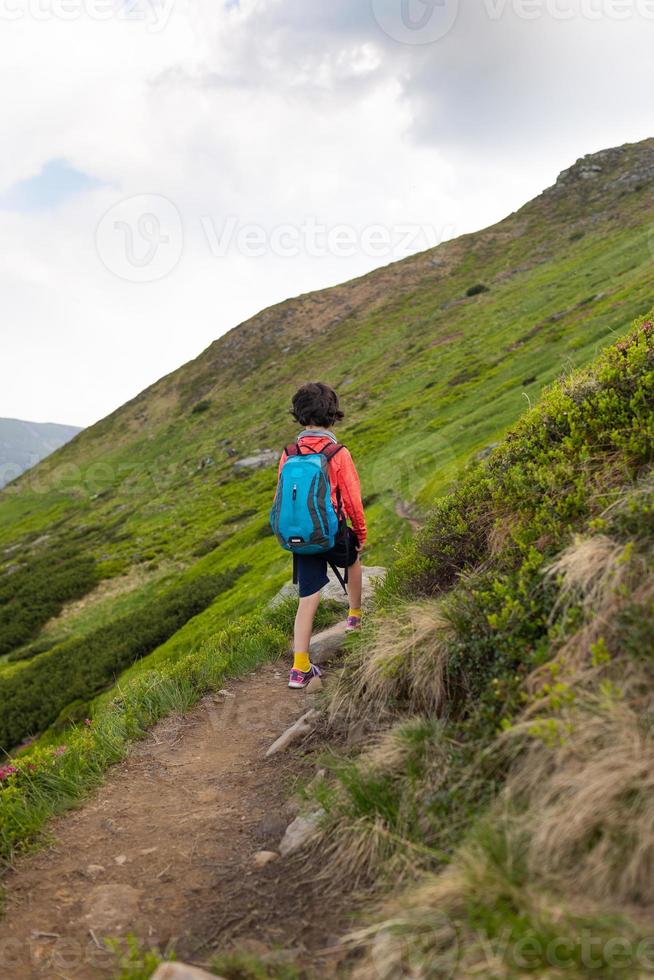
{"x": 318, "y": 491}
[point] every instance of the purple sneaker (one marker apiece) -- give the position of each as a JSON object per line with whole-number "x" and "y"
{"x": 353, "y": 623}
{"x": 298, "y": 679}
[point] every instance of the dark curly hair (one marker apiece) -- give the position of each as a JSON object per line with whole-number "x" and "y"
{"x": 316, "y": 404}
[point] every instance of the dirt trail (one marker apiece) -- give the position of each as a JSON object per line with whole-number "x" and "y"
{"x": 404, "y": 511}
{"x": 164, "y": 849}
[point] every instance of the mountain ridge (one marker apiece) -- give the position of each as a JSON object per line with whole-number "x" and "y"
{"x": 23, "y": 444}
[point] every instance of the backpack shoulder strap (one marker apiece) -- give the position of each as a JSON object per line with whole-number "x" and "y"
{"x": 330, "y": 451}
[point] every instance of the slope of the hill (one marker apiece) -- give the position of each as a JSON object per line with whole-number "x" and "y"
{"x": 507, "y": 693}
{"x": 24, "y": 444}
{"x": 146, "y": 507}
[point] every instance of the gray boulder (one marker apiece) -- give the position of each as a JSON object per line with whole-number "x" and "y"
{"x": 265, "y": 457}
{"x": 325, "y": 645}
{"x": 333, "y": 589}
{"x": 300, "y": 832}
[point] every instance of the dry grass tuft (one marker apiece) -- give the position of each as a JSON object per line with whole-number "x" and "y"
{"x": 374, "y": 812}
{"x": 586, "y": 789}
{"x": 592, "y": 570}
{"x": 402, "y": 664}
{"x": 417, "y": 929}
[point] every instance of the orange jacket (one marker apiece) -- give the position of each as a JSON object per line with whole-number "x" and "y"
{"x": 342, "y": 476}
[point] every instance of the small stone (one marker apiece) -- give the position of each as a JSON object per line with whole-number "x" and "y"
{"x": 94, "y": 871}
{"x": 121, "y": 859}
{"x": 262, "y": 858}
{"x": 180, "y": 971}
{"x": 302, "y": 727}
{"x": 226, "y": 694}
{"x": 314, "y": 685}
{"x": 299, "y": 832}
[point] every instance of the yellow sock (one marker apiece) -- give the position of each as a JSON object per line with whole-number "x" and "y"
{"x": 302, "y": 662}
{"x": 355, "y": 612}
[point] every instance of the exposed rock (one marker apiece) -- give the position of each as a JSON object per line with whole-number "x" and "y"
{"x": 300, "y": 832}
{"x": 486, "y": 451}
{"x": 111, "y": 909}
{"x": 333, "y": 589}
{"x": 266, "y": 457}
{"x": 325, "y": 645}
{"x": 180, "y": 971}
{"x": 262, "y": 858}
{"x": 302, "y": 727}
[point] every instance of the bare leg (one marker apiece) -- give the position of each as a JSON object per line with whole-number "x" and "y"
{"x": 306, "y": 611}
{"x": 354, "y": 584}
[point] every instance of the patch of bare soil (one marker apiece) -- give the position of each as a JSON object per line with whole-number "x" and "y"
{"x": 164, "y": 850}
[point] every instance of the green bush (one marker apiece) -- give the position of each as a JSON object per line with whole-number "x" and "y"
{"x": 33, "y": 694}
{"x": 37, "y": 591}
{"x": 591, "y": 432}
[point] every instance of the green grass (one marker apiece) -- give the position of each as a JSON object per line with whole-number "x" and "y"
{"x": 50, "y": 780}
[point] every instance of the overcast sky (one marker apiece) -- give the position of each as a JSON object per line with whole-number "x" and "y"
{"x": 169, "y": 168}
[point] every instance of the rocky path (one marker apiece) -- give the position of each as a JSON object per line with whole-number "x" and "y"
{"x": 167, "y": 848}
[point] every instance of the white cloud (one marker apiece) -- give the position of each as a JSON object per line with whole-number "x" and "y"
{"x": 268, "y": 113}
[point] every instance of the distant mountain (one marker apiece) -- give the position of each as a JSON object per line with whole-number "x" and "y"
{"x": 24, "y": 444}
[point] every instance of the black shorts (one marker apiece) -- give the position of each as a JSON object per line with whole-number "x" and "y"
{"x": 311, "y": 570}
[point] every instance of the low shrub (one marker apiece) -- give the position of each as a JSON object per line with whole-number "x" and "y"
{"x": 37, "y": 591}
{"x": 477, "y": 290}
{"x": 33, "y": 693}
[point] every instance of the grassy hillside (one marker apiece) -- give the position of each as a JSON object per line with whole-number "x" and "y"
{"x": 506, "y": 690}
{"x": 431, "y": 369}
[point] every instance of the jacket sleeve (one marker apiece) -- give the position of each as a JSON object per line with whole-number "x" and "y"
{"x": 350, "y": 487}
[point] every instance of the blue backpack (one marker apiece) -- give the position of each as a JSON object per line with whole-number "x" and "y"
{"x": 303, "y": 517}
